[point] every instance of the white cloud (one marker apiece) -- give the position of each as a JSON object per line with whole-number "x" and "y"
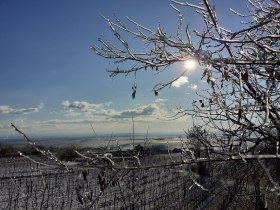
{"x": 181, "y": 81}
{"x": 193, "y": 86}
{"x": 72, "y": 113}
{"x": 6, "y": 109}
{"x": 5, "y": 126}
{"x": 160, "y": 100}
{"x": 76, "y": 116}
{"x": 146, "y": 110}
{"x": 65, "y": 121}
{"x": 81, "y": 105}
{"x": 82, "y": 110}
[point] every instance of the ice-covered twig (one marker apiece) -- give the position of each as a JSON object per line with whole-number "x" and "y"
{"x": 195, "y": 183}
{"x": 45, "y": 153}
{"x": 276, "y": 187}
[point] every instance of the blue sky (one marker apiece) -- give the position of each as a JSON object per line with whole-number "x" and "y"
{"x": 51, "y": 82}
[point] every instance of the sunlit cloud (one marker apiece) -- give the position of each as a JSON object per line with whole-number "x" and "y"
{"x": 181, "y": 81}
{"x": 147, "y": 110}
{"x": 6, "y": 109}
{"x": 72, "y": 113}
{"x": 160, "y": 100}
{"x": 77, "y": 117}
{"x": 83, "y": 105}
{"x": 193, "y": 86}
{"x": 5, "y": 126}
{"x": 65, "y": 121}
{"x": 103, "y": 112}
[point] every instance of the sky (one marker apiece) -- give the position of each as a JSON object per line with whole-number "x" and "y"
{"x": 52, "y": 83}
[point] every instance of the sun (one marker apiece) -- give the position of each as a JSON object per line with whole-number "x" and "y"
{"x": 190, "y": 64}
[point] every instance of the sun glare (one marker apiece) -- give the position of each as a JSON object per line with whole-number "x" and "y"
{"x": 190, "y": 64}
